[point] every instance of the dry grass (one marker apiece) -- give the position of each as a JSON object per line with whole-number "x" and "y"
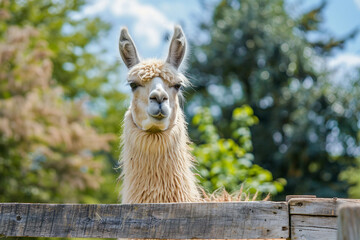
{"x": 221, "y": 195}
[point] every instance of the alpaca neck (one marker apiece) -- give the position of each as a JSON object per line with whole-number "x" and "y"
{"x": 157, "y": 166}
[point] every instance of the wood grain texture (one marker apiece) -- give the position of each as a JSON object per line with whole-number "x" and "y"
{"x": 313, "y": 227}
{"x": 317, "y": 206}
{"x": 349, "y": 222}
{"x": 288, "y": 197}
{"x": 181, "y": 220}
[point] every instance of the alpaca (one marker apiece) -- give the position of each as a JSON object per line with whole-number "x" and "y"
{"x": 156, "y": 159}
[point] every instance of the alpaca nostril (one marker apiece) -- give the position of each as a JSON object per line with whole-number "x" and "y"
{"x": 158, "y": 99}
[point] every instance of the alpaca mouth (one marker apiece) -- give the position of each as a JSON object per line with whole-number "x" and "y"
{"x": 159, "y": 116}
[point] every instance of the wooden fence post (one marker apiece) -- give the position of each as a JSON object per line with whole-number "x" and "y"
{"x": 349, "y": 222}
{"x": 315, "y": 218}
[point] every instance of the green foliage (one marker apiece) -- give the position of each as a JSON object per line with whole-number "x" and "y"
{"x": 51, "y": 148}
{"x": 352, "y": 176}
{"x": 351, "y": 173}
{"x": 229, "y": 162}
{"x": 77, "y": 67}
{"x": 257, "y": 54}
{"x": 46, "y": 141}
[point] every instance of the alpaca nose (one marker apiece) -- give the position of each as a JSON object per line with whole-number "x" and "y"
{"x": 158, "y": 96}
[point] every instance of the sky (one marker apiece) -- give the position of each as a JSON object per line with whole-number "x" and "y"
{"x": 149, "y": 21}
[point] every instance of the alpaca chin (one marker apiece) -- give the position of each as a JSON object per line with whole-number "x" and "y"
{"x": 153, "y": 125}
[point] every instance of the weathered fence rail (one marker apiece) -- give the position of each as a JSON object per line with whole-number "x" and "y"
{"x": 299, "y": 218}
{"x": 182, "y": 220}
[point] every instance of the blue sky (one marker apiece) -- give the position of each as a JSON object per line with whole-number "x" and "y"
{"x": 149, "y": 21}
{"x": 342, "y": 16}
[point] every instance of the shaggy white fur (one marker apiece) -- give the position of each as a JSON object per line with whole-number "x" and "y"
{"x": 157, "y": 166}
{"x": 148, "y": 69}
{"x": 156, "y": 159}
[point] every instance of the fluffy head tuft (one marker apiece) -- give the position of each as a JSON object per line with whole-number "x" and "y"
{"x": 146, "y": 70}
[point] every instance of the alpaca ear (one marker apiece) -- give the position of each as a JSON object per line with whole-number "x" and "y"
{"x": 177, "y": 48}
{"x": 127, "y": 49}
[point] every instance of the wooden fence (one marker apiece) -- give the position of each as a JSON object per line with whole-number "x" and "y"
{"x": 298, "y": 218}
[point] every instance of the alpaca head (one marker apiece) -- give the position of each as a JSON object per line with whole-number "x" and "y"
{"x": 155, "y": 84}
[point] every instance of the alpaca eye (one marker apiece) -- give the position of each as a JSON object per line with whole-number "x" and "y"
{"x": 177, "y": 86}
{"x": 134, "y": 86}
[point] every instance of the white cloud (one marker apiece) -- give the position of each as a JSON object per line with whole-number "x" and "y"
{"x": 343, "y": 67}
{"x": 357, "y": 2}
{"x": 346, "y": 60}
{"x": 149, "y": 23}
{"x": 99, "y": 6}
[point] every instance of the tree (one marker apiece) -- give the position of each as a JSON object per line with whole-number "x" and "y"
{"x": 228, "y": 163}
{"x": 351, "y": 174}
{"x": 46, "y": 143}
{"x": 78, "y": 65}
{"x": 52, "y": 149}
{"x": 257, "y": 54}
